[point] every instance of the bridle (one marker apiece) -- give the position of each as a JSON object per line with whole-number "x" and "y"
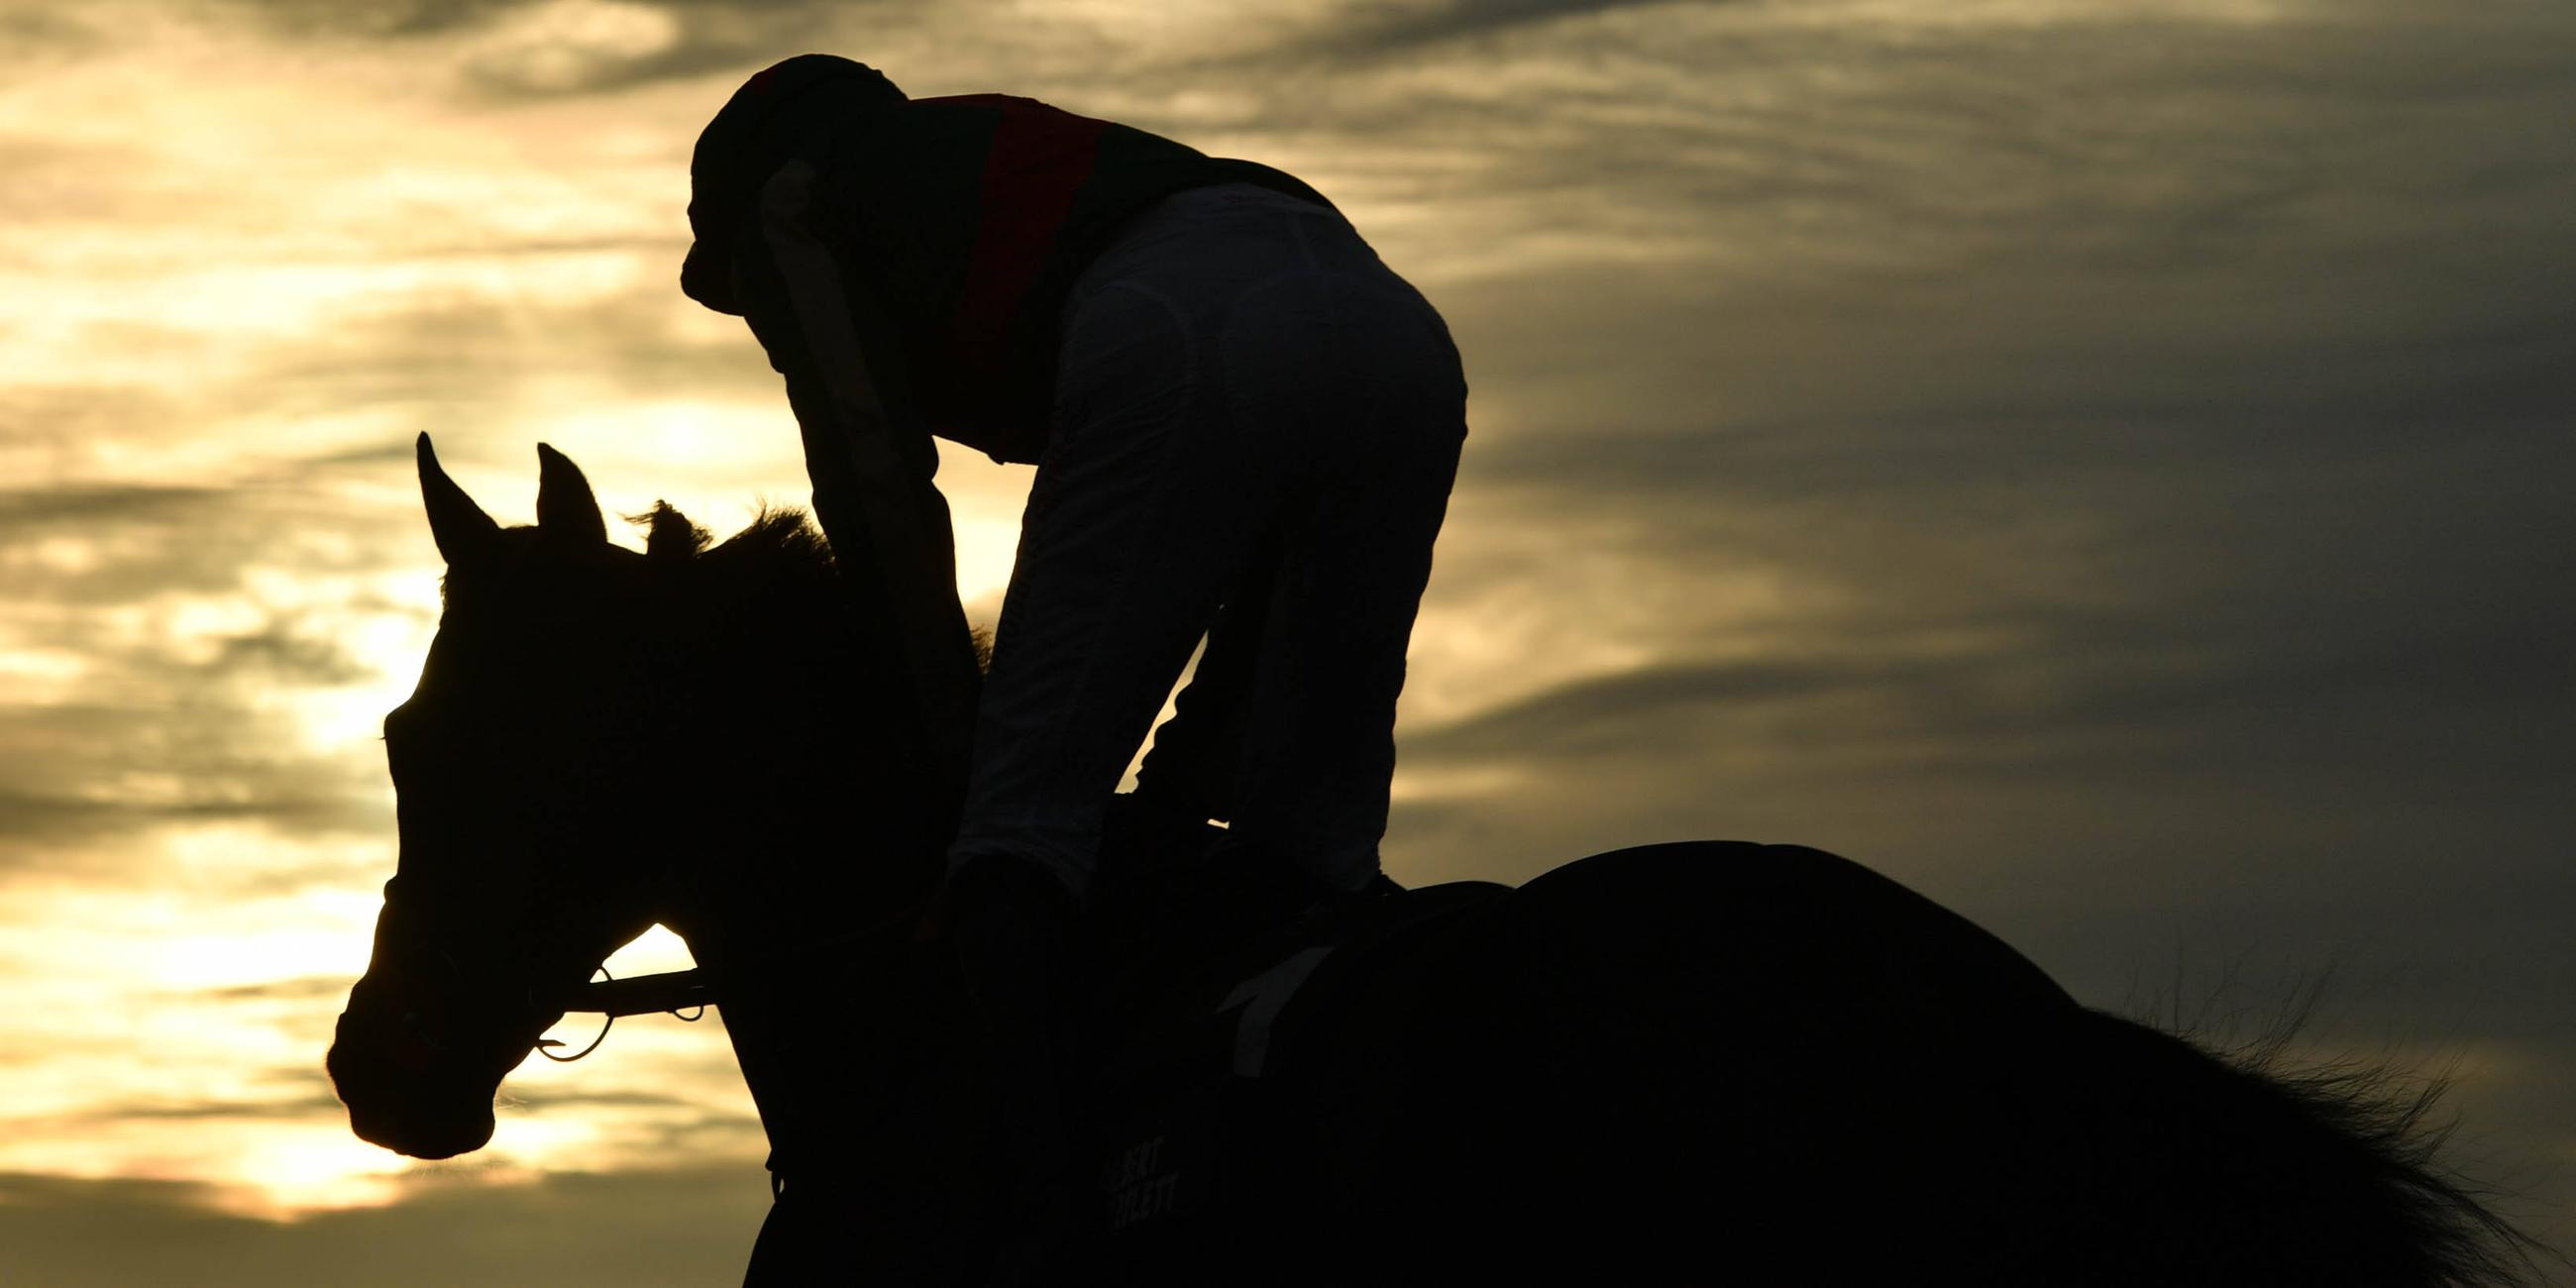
{"x": 614, "y": 999}
{"x": 682, "y": 994}
{"x": 670, "y": 992}
{"x": 664, "y": 992}
{"x": 604, "y": 994}
{"x": 696, "y": 987}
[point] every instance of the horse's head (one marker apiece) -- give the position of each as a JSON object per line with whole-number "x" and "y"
{"x": 525, "y": 794}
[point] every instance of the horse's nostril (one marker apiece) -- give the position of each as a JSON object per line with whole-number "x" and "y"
{"x": 449, "y": 1139}
{"x": 415, "y": 1130}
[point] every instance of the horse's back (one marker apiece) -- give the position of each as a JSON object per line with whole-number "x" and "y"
{"x": 1635, "y": 1048}
{"x": 1699, "y": 947}
{"x": 1767, "y": 927}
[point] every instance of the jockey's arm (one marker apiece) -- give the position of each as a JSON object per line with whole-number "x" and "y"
{"x": 871, "y": 463}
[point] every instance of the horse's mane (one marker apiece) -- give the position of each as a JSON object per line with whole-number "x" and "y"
{"x": 780, "y": 552}
{"x": 771, "y": 593}
{"x": 780, "y": 543}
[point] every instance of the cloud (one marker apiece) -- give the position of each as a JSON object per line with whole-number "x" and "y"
{"x": 1389, "y": 29}
{"x": 302, "y": 989}
{"x": 183, "y": 693}
{"x": 540, "y": 50}
{"x": 396, "y": 19}
{"x": 277, "y": 650}
{"x": 590, "y": 46}
{"x": 29, "y": 33}
{"x": 2026, "y": 617}
{"x": 49, "y": 508}
{"x": 677, "y": 1226}
{"x": 320, "y": 1104}
{"x": 41, "y": 826}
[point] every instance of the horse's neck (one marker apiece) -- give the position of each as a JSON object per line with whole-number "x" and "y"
{"x": 807, "y": 816}
{"x": 760, "y": 891}
{"x": 803, "y": 823}
{"x": 788, "y": 867}
{"x": 833, "y": 1043}
{"x": 800, "y": 831}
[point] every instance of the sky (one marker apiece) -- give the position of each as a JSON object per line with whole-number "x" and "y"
{"x": 2105, "y": 464}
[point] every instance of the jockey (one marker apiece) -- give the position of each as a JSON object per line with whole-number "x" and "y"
{"x": 1245, "y": 427}
{"x": 1232, "y": 404}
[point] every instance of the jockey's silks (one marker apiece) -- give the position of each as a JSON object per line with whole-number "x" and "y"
{"x": 967, "y": 219}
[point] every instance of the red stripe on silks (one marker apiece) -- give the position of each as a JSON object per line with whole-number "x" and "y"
{"x": 1037, "y": 161}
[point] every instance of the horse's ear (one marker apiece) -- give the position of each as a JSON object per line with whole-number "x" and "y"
{"x": 457, "y": 524}
{"x": 565, "y": 506}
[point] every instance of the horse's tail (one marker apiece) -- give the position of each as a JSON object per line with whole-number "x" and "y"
{"x": 2213, "y": 1169}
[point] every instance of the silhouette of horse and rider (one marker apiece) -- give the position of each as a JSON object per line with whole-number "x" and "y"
{"x": 1005, "y": 1026}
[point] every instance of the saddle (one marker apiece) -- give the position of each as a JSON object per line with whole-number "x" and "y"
{"x": 1203, "y": 958}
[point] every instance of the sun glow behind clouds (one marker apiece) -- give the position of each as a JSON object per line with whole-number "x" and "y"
{"x": 176, "y": 1033}
{"x": 166, "y": 1035}
{"x": 240, "y": 269}
{"x": 561, "y": 45}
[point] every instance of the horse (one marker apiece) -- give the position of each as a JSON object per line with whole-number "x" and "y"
{"x": 1729, "y": 1060}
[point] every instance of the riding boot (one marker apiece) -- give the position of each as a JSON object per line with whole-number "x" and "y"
{"x": 1010, "y": 923}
